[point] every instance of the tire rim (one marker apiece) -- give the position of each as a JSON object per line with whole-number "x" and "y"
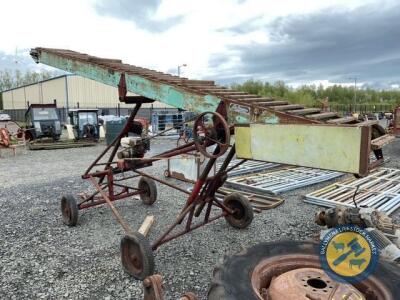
{"x": 146, "y": 191}
{"x": 238, "y": 210}
{"x": 66, "y": 212}
{"x": 266, "y": 270}
{"x": 132, "y": 257}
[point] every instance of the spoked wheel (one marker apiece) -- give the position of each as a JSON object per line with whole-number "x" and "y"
{"x": 69, "y": 210}
{"x": 149, "y": 195}
{"x": 292, "y": 270}
{"x": 242, "y": 210}
{"x": 136, "y": 256}
{"x": 210, "y": 128}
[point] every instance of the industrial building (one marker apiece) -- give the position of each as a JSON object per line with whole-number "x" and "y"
{"x": 72, "y": 91}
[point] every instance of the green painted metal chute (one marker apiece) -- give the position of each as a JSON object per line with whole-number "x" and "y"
{"x": 204, "y": 95}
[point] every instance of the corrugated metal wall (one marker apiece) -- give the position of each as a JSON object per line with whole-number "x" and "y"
{"x": 53, "y": 90}
{"x": 89, "y": 94}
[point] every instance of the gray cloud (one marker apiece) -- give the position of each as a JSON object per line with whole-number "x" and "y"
{"x": 218, "y": 59}
{"x": 330, "y": 44}
{"x": 138, "y": 11}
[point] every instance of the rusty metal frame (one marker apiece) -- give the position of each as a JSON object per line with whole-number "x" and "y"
{"x": 200, "y": 200}
{"x": 110, "y": 188}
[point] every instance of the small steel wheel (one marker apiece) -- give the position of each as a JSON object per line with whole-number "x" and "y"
{"x": 136, "y": 256}
{"x": 69, "y": 210}
{"x": 167, "y": 173}
{"x": 149, "y": 195}
{"x": 242, "y": 210}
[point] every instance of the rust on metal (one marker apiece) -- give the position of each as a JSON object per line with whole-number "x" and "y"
{"x": 153, "y": 288}
{"x": 243, "y": 101}
{"x": 268, "y": 270}
{"x": 188, "y": 296}
{"x": 4, "y": 137}
{"x": 205, "y": 134}
{"x": 226, "y": 106}
{"x": 259, "y": 201}
{"x": 310, "y": 283}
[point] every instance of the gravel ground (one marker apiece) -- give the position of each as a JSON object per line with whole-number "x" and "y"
{"x": 42, "y": 258}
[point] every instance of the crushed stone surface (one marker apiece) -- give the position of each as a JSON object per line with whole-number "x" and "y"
{"x": 41, "y": 258}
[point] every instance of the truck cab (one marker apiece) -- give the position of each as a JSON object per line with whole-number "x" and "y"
{"x": 42, "y": 120}
{"x": 85, "y": 123}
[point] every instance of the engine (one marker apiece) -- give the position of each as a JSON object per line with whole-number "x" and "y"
{"x": 133, "y": 147}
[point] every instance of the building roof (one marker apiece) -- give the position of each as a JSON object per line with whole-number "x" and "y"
{"x": 35, "y": 105}
{"x": 83, "y": 109}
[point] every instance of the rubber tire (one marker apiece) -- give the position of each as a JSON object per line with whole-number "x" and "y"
{"x": 377, "y": 131}
{"x": 244, "y": 219}
{"x": 145, "y": 250}
{"x": 72, "y": 219}
{"x": 231, "y": 279}
{"x": 149, "y": 185}
{"x": 28, "y": 136}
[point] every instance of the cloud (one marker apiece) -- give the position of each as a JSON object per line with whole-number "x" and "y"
{"x": 141, "y": 12}
{"x": 330, "y": 44}
{"x": 23, "y": 62}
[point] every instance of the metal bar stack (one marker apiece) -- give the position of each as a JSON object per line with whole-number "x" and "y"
{"x": 379, "y": 190}
{"x": 282, "y": 180}
{"x": 250, "y": 166}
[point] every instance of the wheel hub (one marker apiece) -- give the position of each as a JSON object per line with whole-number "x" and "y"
{"x": 66, "y": 211}
{"x": 134, "y": 258}
{"x": 280, "y": 274}
{"x": 238, "y": 211}
{"x": 310, "y": 283}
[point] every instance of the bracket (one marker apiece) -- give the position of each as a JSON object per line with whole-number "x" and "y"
{"x": 123, "y": 91}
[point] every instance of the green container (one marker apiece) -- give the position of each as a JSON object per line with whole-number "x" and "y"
{"x": 113, "y": 129}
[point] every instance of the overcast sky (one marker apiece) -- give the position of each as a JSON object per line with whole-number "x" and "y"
{"x": 226, "y": 40}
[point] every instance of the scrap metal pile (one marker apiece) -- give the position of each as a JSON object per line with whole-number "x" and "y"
{"x": 221, "y": 113}
{"x": 379, "y": 190}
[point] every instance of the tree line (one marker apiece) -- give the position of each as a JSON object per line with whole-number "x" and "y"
{"x": 311, "y": 95}
{"x": 12, "y": 79}
{"x": 307, "y": 95}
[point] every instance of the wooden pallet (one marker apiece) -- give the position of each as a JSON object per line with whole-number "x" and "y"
{"x": 59, "y": 145}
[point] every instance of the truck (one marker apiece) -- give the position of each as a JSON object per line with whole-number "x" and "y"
{"x": 42, "y": 121}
